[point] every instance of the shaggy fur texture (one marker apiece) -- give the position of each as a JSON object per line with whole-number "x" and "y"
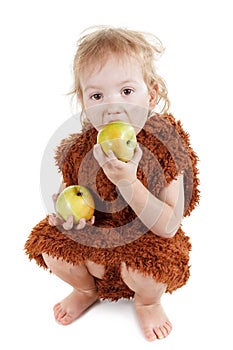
{"x": 118, "y": 235}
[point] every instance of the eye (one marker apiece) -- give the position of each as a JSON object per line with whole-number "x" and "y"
{"x": 127, "y": 91}
{"x": 96, "y": 97}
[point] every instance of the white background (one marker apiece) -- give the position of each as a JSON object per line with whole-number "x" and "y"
{"x": 38, "y": 42}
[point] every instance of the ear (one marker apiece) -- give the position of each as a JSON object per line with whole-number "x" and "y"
{"x": 153, "y": 93}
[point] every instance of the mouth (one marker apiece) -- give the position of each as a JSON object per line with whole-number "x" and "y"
{"x": 115, "y": 118}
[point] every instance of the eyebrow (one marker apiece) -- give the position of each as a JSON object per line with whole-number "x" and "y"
{"x": 91, "y": 87}
{"x": 128, "y": 82}
{"x": 124, "y": 82}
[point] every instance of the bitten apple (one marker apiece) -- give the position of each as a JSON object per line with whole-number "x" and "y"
{"x": 120, "y": 137}
{"x": 76, "y": 201}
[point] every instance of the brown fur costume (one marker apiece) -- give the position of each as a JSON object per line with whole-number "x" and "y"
{"x": 118, "y": 235}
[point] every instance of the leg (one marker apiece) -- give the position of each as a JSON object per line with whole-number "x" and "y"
{"x": 84, "y": 290}
{"x": 148, "y": 292}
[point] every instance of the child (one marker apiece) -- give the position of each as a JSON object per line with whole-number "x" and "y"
{"x": 135, "y": 246}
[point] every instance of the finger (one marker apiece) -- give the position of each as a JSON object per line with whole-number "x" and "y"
{"x": 54, "y": 198}
{"x": 92, "y": 221}
{"x": 68, "y": 224}
{"x": 97, "y": 150}
{"x": 113, "y": 160}
{"x": 111, "y": 155}
{"x": 55, "y": 220}
{"x": 100, "y": 156}
{"x": 51, "y": 220}
{"x": 137, "y": 155}
{"x": 62, "y": 187}
{"x": 81, "y": 224}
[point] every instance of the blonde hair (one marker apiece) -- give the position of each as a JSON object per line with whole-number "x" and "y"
{"x": 96, "y": 43}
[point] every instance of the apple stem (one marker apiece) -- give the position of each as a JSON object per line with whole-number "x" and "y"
{"x": 79, "y": 193}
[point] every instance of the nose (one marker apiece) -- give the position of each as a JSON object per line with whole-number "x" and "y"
{"x": 113, "y": 104}
{"x": 112, "y": 112}
{"x": 113, "y": 108}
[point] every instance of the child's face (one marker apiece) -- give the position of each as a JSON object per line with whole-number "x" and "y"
{"x": 116, "y": 91}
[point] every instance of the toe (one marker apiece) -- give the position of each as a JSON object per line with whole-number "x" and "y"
{"x": 58, "y": 312}
{"x": 149, "y": 334}
{"x": 158, "y": 333}
{"x": 168, "y": 327}
{"x": 164, "y": 331}
{"x": 61, "y": 314}
{"x": 66, "y": 319}
{"x": 56, "y": 309}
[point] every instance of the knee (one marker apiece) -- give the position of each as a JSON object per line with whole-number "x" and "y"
{"x": 135, "y": 279}
{"x": 127, "y": 276}
{"x": 141, "y": 283}
{"x": 96, "y": 270}
{"x": 54, "y": 264}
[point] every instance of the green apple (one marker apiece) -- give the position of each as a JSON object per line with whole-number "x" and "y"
{"x": 77, "y": 201}
{"x": 120, "y": 137}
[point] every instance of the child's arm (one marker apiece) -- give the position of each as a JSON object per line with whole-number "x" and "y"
{"x": 161, "y": 215}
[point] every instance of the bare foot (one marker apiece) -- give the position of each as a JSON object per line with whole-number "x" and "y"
{"x": 70, "y": 308}
{"x": 153, "y": 320}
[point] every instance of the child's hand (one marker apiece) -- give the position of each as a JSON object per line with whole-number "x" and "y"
{"x": 56, "y": 220}
{"x": 118, "y": 172}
